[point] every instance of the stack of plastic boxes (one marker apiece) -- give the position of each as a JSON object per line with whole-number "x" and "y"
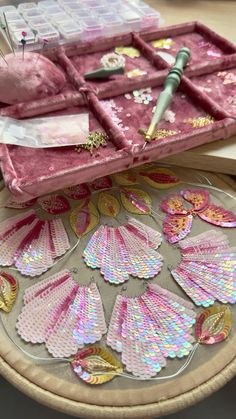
{"x": 61, "y": 21}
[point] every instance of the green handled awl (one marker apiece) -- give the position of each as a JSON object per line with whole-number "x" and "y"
{"x": 104, "y": 73}
{"x": 165, "y": 97}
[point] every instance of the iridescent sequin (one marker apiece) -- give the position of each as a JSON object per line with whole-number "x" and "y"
{"x": 32, "y": 244}
{"x": 207, "y": 271}
{"x": 149, "y": 328}
{"x": 62, "y": 314}
{"x": 126, "y": 250}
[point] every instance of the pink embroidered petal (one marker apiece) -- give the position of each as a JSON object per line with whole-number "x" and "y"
{"x": 218, "y": 216}
{"x": 77, "y": 192}
{"x": 173, "y": 204}
{"x": 207, "y": 271}
{"x": 54, "y": 204}
{"x": 177, "y": 227}
{"x": 199, "y": 198}
{"x": 146, "y": 335}
{"x": 126, "y": 250}
{"x": 101, "y": 183}
{"x": 31, "y": 244}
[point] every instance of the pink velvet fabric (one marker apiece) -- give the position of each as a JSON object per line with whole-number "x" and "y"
{"x": 30, "y": 172}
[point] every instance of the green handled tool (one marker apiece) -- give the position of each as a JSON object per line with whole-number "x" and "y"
{"x": 104, "y": 73}
{"x": 165, "y": 97}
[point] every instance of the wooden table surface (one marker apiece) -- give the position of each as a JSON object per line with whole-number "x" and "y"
{"x": 219, "y": 156}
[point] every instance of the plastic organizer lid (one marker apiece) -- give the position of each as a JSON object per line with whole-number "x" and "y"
{"x": 5, "y": 9}
{"x": 18, "y": 26}
{"x": 71, "y": 7}
{"x": 60, "y": 18}
{"x": 13, "y": 16}
{"x": 92, "y": 24}
{"x": 47, "y": 32}
{"x": 70, "y": 30}
{"x": 148, "y": 12}
{"x": 82, "y": 15}
{"x": 54, "y": 10}
{"x": 45, "y": 4}
{"x": 112, "y": 19}
{"x": 32, "y": 13}
{"x": 37, "y": 21}
{"x": 103, "y": 10}
{"x": 26, "y": 6}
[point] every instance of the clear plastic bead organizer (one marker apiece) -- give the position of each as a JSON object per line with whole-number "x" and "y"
{"x": 62, "y": 21}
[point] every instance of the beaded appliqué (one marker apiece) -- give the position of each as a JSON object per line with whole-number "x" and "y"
{"x": 149, "y": 328}
{"x": 32, "y": 244}
{"x": 62, "y": 314}
{"x": 179, "y": 218}
{"x": 207, "y": 270}
{"x": 126, "y": 250}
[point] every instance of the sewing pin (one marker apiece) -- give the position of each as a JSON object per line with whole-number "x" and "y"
{"x": 45, "y": 41}
{"x": 3, "y": 56}
{"x": 8, "y": 34}
{"x": 23, "y": 42}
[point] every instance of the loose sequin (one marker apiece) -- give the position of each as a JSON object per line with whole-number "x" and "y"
{"x": 129, "y": 51}
{"x": 163, "y": 43}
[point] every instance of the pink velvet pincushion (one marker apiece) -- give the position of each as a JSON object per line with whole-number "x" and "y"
{"x": 28, "y": 77}
{"x": 207, "y": 94}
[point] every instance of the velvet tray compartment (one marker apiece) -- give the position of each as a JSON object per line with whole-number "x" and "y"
{"x": 207, "y": 94}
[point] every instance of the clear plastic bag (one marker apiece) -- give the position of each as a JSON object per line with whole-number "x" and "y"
{"x": 58, "y": 131}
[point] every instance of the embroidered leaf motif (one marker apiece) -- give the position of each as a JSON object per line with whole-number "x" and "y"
{"x": 20, "y": 205}
{"x": 160, "y": 178}
{"x": 77, "y": 192}
{"x": 136, "y": 201}
{"x": 108, "y": 205}
{"x": 8, "y": 291}
{"x": 96, "y": 365}
{"x": 213, "y": 325}
{"x": 126, "y": 178}
{"x": 104, "y": 182}
{"x": 54, "y": 204}
{"x": 84, "y": 217}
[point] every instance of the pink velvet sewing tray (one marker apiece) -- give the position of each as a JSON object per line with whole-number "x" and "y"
{"x": 207, "y": 88}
